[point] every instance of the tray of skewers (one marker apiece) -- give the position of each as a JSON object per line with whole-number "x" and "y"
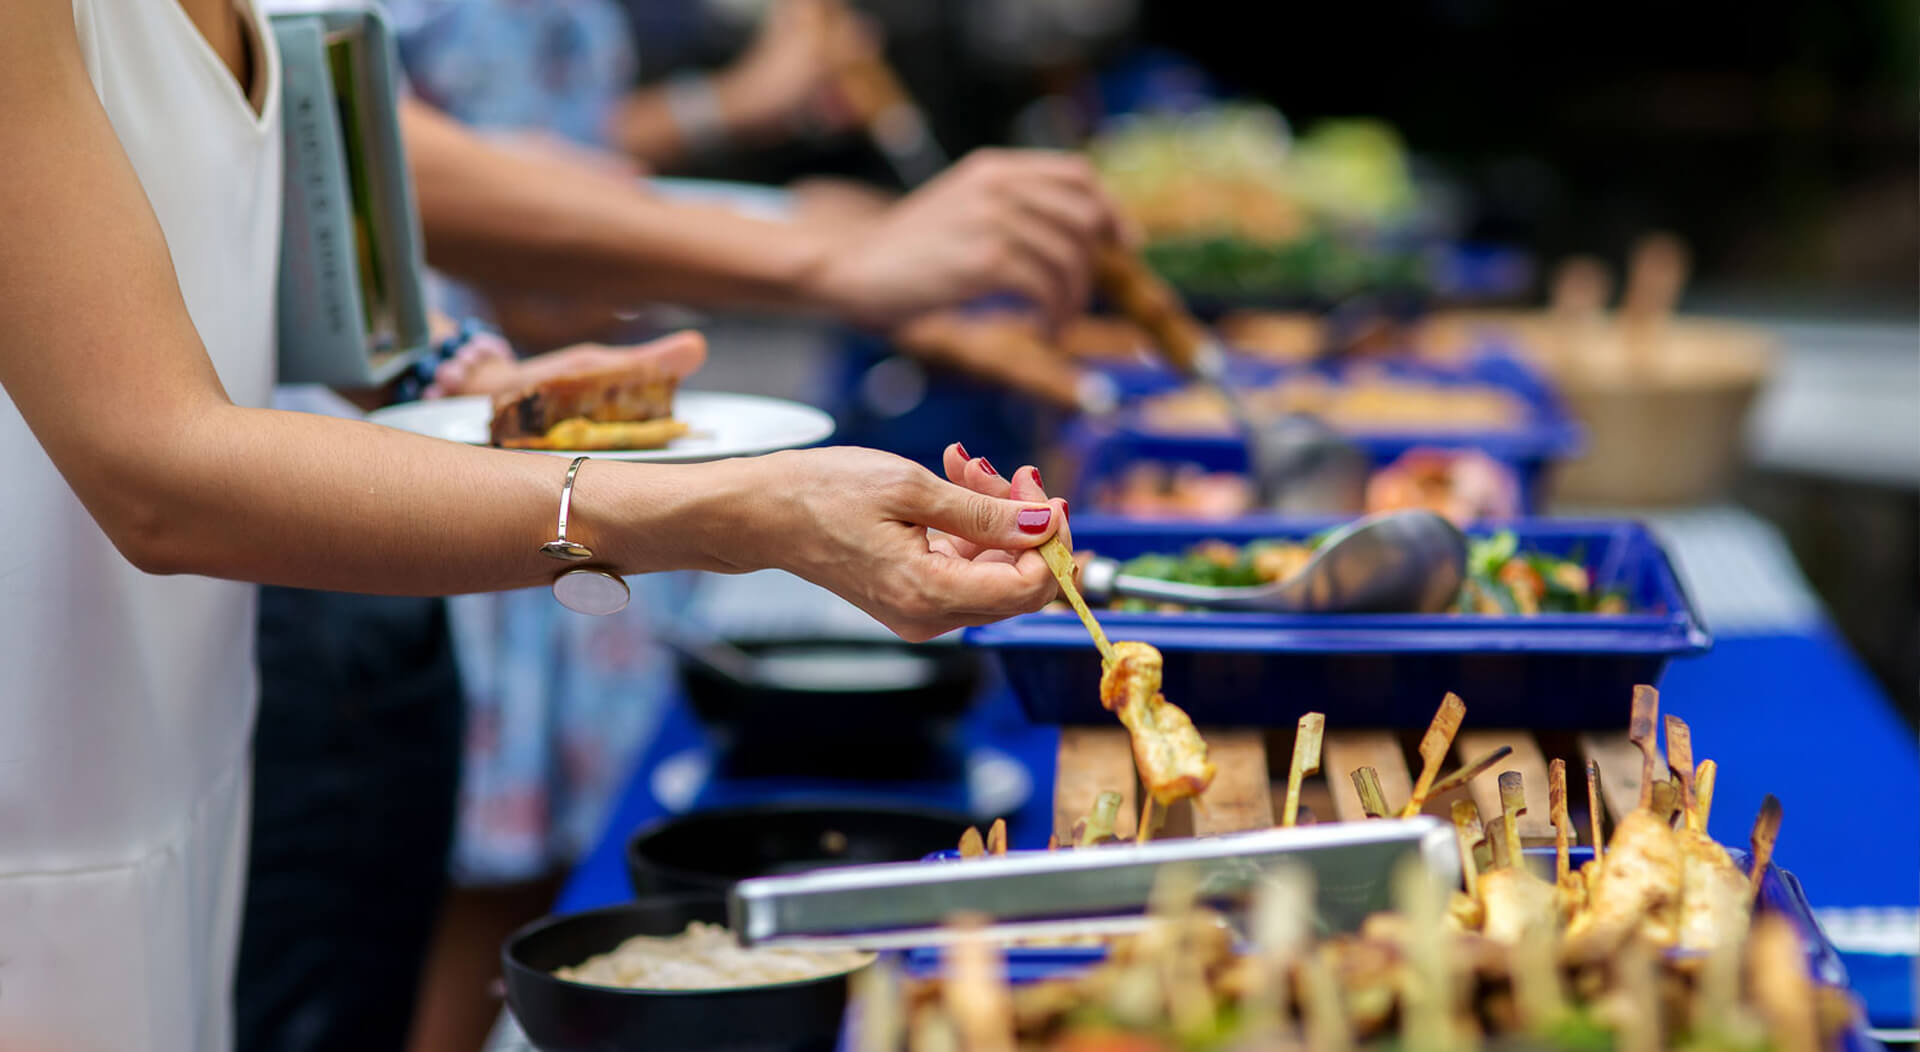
{"x": 1555, "y": 622}
{"x": 1664, "y": 939}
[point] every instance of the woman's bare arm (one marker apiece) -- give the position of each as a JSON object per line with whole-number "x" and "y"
{"x": 99, "y": 355}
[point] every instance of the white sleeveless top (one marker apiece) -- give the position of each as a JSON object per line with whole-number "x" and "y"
{"x": 127, "y": 700}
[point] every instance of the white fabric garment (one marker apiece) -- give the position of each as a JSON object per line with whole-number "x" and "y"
{"x": 126, "y": 700}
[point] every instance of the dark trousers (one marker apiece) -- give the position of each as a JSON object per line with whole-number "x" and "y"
{"x": 356, "y": 771}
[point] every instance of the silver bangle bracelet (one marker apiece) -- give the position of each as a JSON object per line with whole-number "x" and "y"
{"x": 583, "y": 589}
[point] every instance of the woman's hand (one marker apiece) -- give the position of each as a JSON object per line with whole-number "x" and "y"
{"x": 921, "y": 555}
{"x": 1024, "y": 222}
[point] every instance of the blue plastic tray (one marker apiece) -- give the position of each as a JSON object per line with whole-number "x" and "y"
{"x": 1104, "y": 448}
{"x": 1551, "y": 672}
{"x": 1780, "y": 892}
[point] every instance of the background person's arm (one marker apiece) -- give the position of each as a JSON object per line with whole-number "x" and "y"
{"x": 100, "y": 357}
{"x": 1024, "y": 223}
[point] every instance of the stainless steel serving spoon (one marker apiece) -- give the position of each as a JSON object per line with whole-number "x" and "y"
{"x": 1395, "y": 562}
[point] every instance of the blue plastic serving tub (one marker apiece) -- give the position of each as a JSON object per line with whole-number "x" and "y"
{"x": 1105, "y": 447}
{"x": 1549, "y": 672}
{"x": 1780, "y": 892}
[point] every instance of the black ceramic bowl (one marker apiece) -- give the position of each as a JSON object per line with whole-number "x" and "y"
{"x": 562, "y": 1016}
{"x": 864, "y": 707}
{"x": 711, "y": 850}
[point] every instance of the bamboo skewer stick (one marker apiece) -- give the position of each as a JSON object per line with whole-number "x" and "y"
{"x": 1562, "y": 825}
{"x": 997, "y": 837}
{"x": 1060, "y": 561}
{"x": 971, "y": 845}
{"x": 1306, "y": 761}
{"x": 1466, "y": 832}
{"x": 1596, "y": 812}
{"x": 1499, "y": 850}
{"x": 1434, "y": 747}
{"x": 1373, "y": 800}
{"x": 1641, "y": 731}
{"x": 1146, "y": 820}
{"x": 1470, "y": 771}
{"x": 1702, "y": 795}
{"x": 1513, "y": 803}
{"x": 1766, "y": 832}
{"x": 1680, "y": 762}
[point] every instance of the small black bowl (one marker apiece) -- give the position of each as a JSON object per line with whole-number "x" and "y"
{"x": 711, "y": 850}
{"x": 842, "y": 708}
{"x": 562, "y": 1016}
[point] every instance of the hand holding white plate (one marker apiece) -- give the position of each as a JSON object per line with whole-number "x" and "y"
{"x": 719, "y": 424}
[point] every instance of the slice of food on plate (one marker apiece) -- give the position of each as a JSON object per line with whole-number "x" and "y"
{"x": 625, "y": 407}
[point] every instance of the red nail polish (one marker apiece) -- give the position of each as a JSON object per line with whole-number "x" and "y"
{"x": 961, "y": 448}
{"x": 1036, "y": 479}
{"x": 1066, "y": 511}
{"x": 1033, "y": 520}
{"x": 988, "y": 466}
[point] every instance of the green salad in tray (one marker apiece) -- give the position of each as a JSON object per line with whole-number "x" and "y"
{"x": 1501, "y": 579}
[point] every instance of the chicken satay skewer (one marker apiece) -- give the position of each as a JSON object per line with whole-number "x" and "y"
{"x": 1373, "y": 800}
{"x": 1328, "y": 1028}
{"x": 1641, "y": 730}
{"x": 1537, "y": 991}
{"x": 1434, "y": 746}
{"x": 1557, "y": 810}
{"x": 1777, "y": 975}
{"x": 1513, "y": 804}
{"x": 1766, "y": 831}
{"x": 1282, "y": 929}
{"x": 1470, "y": 771}
{"x": 1060, "y": 561}
{"x": 1466, "y": 831}
{"x": 1306, "y": 760}
{"x": 1596, "y": 815}
{"x": 1680, "y": 763}
{"x": 1702, "y": 795}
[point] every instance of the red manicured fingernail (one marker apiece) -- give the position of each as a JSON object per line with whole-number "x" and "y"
{"x": 1066, "y": 510}
{"x": 1033, "y": 520}
{"x": 961, "y": 448}
{"x": 988, "y": 466}
{"x": 1036, "y": 479}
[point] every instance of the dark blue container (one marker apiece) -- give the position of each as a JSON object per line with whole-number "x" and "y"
{"x": 1104, "y": 448}
{"x": 1549, "y": 672}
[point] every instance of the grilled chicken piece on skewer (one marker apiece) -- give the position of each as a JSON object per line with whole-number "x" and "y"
{"x": 1638, "y": 888}
{"x": 1171, "y": 755}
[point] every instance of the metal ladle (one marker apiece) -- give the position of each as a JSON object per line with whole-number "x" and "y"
{"x": 1395, "y": 562}
{"x": 1296, "y": 462}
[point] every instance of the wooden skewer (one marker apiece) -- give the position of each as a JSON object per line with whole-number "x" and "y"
{"x": 1766, "y": 832}
{"x": 1146, "y": 820}
{"x": 881, "y": 1024}
{"x": 971, "y": 845}
{"x": 1434, "y": 747}
{"x": 1499, "y": 849}
{"x": 1777, "y": 975}
{"x": 1373, "y": 800}
{"x": 1470, "y": 771}
{"x": 1053, "y": 841}
{"x": 997, "y": 837}
{"x": 1562, "y": 825}
{"x": 976, "y": 992}
{"x": 1513, "y": 804}
{"x": 1282, "y": 929}
{"x": 1666, "y": 800}
{"x": 1306, "y": 761}
{"x": 1596, "y": 812}
{"x": 1641, "y": 731}
{"x": 1060, "y": 561}
{"x": 1466, "y": 831}
{"x": 1680, "y": 762}
{"x": 1328, "y": 1029}
{"x": 1537, "y": 991}
{"x": 1702, "y": 795}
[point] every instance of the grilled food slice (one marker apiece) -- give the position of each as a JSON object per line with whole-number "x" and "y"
{"x": 1171, "y": 755}
{"x": 631, "y": 405}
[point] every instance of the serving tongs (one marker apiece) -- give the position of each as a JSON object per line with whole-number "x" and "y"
{"x": 1083, "y": 891}
{"x": 1409, "y": 561}
{"x": 1296, "y": 462}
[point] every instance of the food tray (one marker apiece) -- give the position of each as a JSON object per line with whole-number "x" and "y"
{"x": 1548, "y": 672}
{"x": 1780, "y": 892}
{"x": 1104, "y": 448}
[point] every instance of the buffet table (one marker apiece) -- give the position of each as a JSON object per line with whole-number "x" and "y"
{"x": 1779, "y": 702}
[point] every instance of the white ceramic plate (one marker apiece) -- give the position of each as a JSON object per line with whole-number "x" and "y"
{"x": 723, "y": 425}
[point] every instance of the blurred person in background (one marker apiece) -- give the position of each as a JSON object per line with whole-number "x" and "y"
{"x": 524, "y": 141}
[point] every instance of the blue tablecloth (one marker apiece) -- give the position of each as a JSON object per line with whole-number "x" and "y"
{"x": 1793, "y": 714}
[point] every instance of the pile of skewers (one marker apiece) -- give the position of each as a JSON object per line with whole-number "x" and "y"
{"x": 1654, "y": 943}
